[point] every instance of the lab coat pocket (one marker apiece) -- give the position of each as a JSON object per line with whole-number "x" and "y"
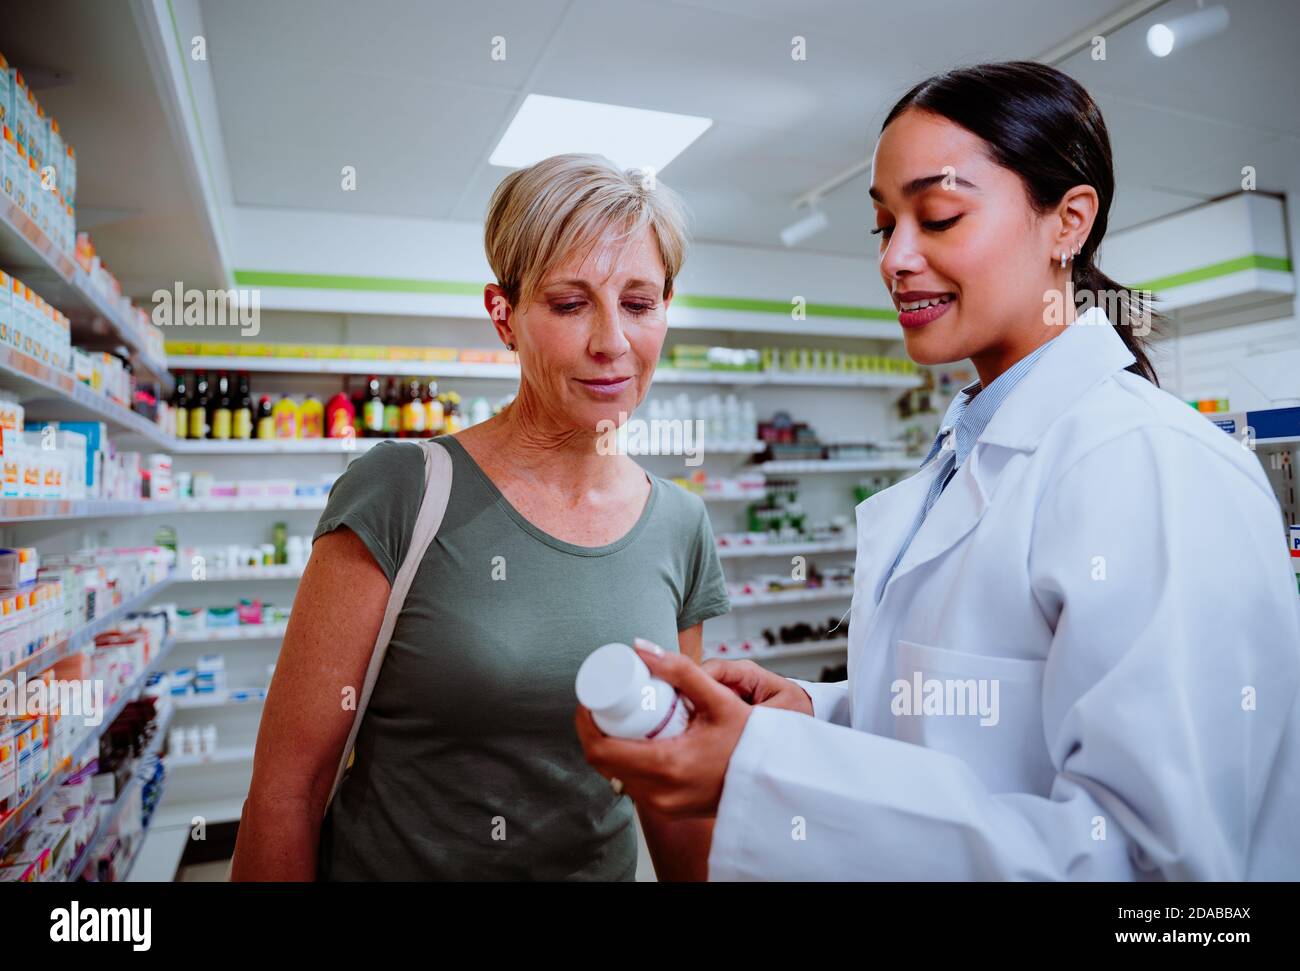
{"x": 985, "y": 710}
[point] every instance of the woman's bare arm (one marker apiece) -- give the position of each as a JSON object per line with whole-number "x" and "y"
{"x": 331, "y": 635}
{"x": 679, "y": 848}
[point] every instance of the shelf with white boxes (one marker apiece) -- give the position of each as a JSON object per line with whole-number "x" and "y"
{"x": 839, "y": 591}
{"x": 226, "y": 699}
{"x": 246, "y": 632}
{"x": 55, "y": 394}
{"x": 283, "y": 571}
{"x": 777, "y": 652}
{"x": 811, "y": 466}
{"x": 787, "y": 549}
{"x": 14, "y": 823}
{"x": 40, "y": 510}
{"x": 84, "y": 634}
{"x": 221, "y": 756}
{"x": 106, "y": 821}
{"x": 29, "y": 254}
{"x": 251, "y": 504}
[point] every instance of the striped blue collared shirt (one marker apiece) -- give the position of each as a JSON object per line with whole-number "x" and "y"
{"x": 967, "y": 417}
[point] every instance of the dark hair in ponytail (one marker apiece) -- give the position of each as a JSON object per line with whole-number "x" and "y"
{"x": 1042, "y": 125}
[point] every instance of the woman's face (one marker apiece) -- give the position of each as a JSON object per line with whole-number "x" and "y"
{"x": 589, "y": 340}
{"x": 956, "y": 227}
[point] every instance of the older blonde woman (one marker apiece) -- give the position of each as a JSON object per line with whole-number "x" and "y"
{"x": 467, "y": 763}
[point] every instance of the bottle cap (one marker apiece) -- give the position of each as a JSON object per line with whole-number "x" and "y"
{"x": 609, "y": 676}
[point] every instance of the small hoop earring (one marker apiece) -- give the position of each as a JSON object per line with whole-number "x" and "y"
{"x": 510, "y": 347}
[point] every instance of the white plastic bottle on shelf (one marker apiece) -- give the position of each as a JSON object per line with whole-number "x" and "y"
{"x": 625, "y": 700}
{"x": 748, "y": 422}
{"x": 731, "y": 421}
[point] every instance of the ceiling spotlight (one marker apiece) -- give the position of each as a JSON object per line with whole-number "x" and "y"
{"x": 809, "y": 225}
{"x": 1187, "y": 30}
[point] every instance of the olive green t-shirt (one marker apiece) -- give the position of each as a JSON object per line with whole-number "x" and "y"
{"x": 467, "y": 763}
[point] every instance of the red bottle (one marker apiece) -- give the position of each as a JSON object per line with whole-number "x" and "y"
{"x": 340, "y": 416}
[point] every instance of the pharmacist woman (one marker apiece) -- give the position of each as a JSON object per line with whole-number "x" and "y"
{"x": 1074, "y": 644}
{"x": 466, "y": 766}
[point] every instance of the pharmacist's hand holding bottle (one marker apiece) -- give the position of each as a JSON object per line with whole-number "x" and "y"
{"x": 756, "y": 685}
{"x": 679, "y": 776}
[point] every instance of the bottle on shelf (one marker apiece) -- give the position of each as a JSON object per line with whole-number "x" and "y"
{"x": 358, "y": 401}
{"x": 392, "y": 410}
{"x": 373, "y": 413}
{"x": 451, "y": 413}
{"x": 181, "y": 405}
{"x": 340, "y": 415}
{"x": 311, "y": 421}
{"x": 265, "y": 418}
{"x": 198, "y": 410}
{"x": 434, "y": 419}
{"x": 287, "y": 418}
{"x": 413, "y": 412}
{"x": 242, "y": 419}
{"x": 219, "y": 413}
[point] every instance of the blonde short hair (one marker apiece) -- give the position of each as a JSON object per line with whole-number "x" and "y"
{"x": 540, "y": 214}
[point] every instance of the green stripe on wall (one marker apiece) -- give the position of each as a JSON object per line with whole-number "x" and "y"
{"x": 1255, "y": 261}
{"x": 390, "y": 284}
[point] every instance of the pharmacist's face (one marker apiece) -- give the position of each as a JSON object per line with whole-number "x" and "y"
{"x": 962, "y": 251}
{"x": 589, "y": 341}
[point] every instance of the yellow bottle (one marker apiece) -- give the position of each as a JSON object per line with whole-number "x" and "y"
{"x": 287, "y": 418}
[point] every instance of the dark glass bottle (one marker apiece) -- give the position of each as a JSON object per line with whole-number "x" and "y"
{"x": 242, "y": 419}
{"x": 373, "y": 423}
{"x": 219, "y": 414}
{"x": 392, "y": 410}
{"x": 199, "y": 406}
{"x": 181, "y": 406}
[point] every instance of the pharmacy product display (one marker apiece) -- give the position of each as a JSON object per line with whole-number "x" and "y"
{"x": 250, "y": 614}
{"x": 681, "y": 423}
{"x": 43, "y": 600}
{"x": 626, "y": 701}
{"x": 785, "y": 439}
{"x": 834, "y": 631}
{"x": 53, "y": 734}
{"x": 280, "y": 550}
{"x": 837, "y": 578}
{"x": 203, "y": 485}
{"x": 39, "y": 169}
{"x": 789, "y": 360}
{"x": 73, "y": 460}
{"x": 225, "y": 407}
{"x": 203, "y": 685}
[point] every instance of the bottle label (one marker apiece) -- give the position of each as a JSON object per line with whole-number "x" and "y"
{"x": 265, "y": 428}
{"x": 221, "y": 423}
{"x": 198, "y": 423}
{"x": 413, "y": 416}
{"x": 182, "y": 422}
{"x": 392, "y": 418}
{"x": 243, "y": 424}
{"x": 374, "y": 416}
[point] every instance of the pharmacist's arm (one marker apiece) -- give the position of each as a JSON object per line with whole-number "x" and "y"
{"x": 331, "y": 634}
{"x": 679, "y": 847}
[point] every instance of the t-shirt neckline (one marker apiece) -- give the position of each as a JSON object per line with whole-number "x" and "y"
{"x": 540, "y": 534}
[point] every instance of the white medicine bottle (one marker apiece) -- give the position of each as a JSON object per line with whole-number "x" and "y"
{"x": 626, "y": 701}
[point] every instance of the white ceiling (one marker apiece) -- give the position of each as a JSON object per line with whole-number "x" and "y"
{"x": 406, "y": 91}
{"x": 409, "y": 94}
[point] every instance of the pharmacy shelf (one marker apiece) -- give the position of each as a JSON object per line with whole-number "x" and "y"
{"x": 239, "y": 504}
{"x": 161, "y": 851}
{"x": 510, "y": 372}
{"x": 839, "y": 591}
{"x": 85, "y": 634}
{"x": 786, "y": 549}
{"x": 276, "y": 446}
{"x": 29, "y": 254}
{"x": 106, "y": 820}
{"x": 280, "y": 572}
{"x": 247, "y": 632}
{"x": 256, "y": 696}
{"x": 810, "y": 466}
{"x": 50, "y": 393}
{"x": 222, "y": 756}
{"x": 781, "y": 651}
{"x": 732, "y": 496}
{"x": 181, "y": 815}
{"x": 39, "y": 510}
{"x": 12, "y": 826}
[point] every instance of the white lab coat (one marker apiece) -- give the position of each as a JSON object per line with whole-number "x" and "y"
{"x": 1116, "y": 565}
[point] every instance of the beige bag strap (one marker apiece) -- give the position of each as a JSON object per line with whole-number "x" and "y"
{"x": 437, "y": 490}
